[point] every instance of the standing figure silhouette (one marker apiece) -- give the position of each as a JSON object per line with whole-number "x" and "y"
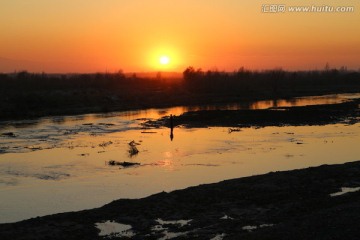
{"x": 171, "y": 127}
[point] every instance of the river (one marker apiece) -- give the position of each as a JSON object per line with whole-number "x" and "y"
{"x": 59, "y": 164}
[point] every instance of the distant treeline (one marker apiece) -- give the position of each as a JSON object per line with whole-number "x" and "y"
{"x": 25, "y": 94}
{"x": 276, "y": 82}
{"x": 194, "y": 80}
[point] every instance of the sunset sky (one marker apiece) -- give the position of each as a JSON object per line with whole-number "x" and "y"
{"x": 132, "y": 35}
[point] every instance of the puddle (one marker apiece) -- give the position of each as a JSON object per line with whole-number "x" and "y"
{"x": 163, "y": 229}
{"x": 113, "y": 229}
{"x": 219, "y": 237}
{"x": 171, "y": 235}
{"x": 250, "y": 228}
{"x": 226, "y": 217}
{"x": 345, "y": 190}
{"x": 180, "y": 223}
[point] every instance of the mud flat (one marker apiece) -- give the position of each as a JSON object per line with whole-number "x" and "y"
{"x": 346, "y": 112}
{"x": 314, "y": 203}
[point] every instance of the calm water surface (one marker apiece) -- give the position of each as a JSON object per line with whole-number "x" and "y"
{"x": 60, "y": 164}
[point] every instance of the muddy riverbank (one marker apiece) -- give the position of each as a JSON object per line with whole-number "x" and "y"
{"x": 313, "y": 203}
{"x": 346, "y": 112}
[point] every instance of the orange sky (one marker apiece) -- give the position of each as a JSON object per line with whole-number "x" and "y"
{"x": 92, "y": 35}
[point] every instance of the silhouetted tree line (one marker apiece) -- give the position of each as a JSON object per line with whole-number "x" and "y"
{"x": 274, "y": 82}
{"x": 26, "y": 80}
{"x": 99, "y": 81}
{"x": 193, "y": 80}
{"x": 25, "y": 94}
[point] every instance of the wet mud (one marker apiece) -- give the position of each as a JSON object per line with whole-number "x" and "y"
{"x": 314, "y": 203}
{"x": 346, "y": 112}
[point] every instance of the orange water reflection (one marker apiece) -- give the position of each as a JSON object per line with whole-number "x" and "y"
{"x": 302, "y": 101}
{"x": 158, "y": 113}
{"x": 66, "y": 179}
{"x": 71, "y": 173}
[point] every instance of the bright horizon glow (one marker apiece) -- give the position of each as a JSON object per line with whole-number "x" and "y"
{"x": 164, "y": 57}
{"x": 64, "y": 36}
{"x": 164, "y": 60}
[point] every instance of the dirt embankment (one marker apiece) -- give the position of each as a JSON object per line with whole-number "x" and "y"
{"x": 314, "y": 203}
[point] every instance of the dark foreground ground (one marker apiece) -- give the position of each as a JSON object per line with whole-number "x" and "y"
{"x": 281, "y": 205}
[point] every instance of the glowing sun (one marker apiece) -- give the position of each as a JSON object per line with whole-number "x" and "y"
{"x": 164, "y": 60}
